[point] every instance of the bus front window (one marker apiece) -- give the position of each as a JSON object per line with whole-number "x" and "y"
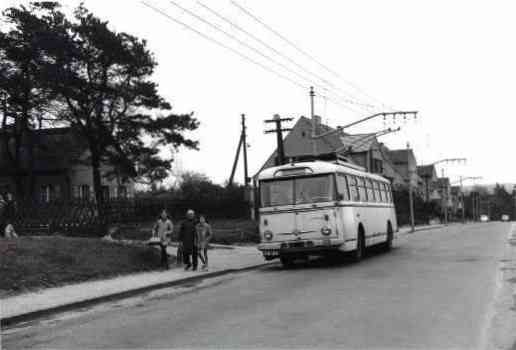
{"x": 314, "y": 189}
{"x": 275, "y": 193}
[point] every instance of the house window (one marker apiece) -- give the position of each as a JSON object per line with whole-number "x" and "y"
{"x": 122, "y": 192}
{"x": 45, "y": 194}
{"x": 105, "y": 193}
{"x": 50, "y": 193}
{"x": 377, "y": 166}
{"x": 84, "y": 192}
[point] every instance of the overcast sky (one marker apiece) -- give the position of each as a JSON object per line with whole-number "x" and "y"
{"x": 453, "y": 61}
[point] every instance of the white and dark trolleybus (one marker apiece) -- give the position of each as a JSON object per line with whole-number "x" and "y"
{"x": 319, "y": 207}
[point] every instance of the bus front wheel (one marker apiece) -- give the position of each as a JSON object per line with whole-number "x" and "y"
{"x": 390, "y": 237}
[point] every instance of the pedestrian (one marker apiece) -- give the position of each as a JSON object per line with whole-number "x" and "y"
{"x": 188, "y": 237}
{"x": 204, "y": 236}
{"x": 9, "y": 232}
{"x": 162, "y": 230}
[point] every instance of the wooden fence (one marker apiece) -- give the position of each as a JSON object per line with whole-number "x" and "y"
{"x": 87, "y": 218}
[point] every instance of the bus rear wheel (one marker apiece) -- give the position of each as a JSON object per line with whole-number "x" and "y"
{"x": 359, "y": 252}
{"x": 390, "y": 237}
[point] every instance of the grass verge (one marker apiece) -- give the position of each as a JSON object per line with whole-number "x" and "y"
{"x": 30, "y": 263}
{"x": 225, "y": 231}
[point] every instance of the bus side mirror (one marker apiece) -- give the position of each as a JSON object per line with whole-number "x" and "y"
{"x": 340, "y": 196}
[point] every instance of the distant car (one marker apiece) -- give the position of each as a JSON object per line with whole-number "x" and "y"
{"x": 505, "y": 217}
{"x": 484, "y": 218}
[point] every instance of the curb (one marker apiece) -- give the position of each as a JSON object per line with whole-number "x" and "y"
{"x": 12, "y": 320}
{"x": 424, "y": 228}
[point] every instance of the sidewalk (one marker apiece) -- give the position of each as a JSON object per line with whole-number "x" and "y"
{"x": 25, "y": 306}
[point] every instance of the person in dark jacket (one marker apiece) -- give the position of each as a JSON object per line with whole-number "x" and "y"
{"x": 187, "y": 236}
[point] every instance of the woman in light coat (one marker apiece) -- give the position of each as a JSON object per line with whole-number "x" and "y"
{"x": 204, "y": 235}
{"x": 163, "y": 229}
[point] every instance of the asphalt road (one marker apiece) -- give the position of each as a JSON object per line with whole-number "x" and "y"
{"x": 434, "y": 290}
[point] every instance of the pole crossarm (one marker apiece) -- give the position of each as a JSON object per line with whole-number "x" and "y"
{"x": 466, "y": 178}
{"x": 339, "y": 129}
{"x": 449, "y": 160}
{"x": 362, "y": 140}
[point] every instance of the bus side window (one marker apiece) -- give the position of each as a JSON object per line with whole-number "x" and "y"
{"x": 342, "y": 186}
{"x": 385, "y": 194}
{"x": 362, "y": 189}
{"x": 370, "y": 190}
{"x": 389, "y": 192}
{"x": 353, "y": 189}
{"x": 377, "y": 191}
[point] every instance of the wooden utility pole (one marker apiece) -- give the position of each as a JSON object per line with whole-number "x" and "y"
{"x": 314, "y": 122}
{"x": 242, "y": 142}
{"x": 277, "y": 120}
{"x": 244, "y": 145}
{"x": 411, "y": 196}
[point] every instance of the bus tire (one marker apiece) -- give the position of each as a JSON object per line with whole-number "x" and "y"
{"x": 390, "y": 237}
{"x": 287, "y": 261}
{"x": 359, "y": 252}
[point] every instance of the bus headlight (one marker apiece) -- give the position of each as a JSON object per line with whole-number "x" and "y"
{"x": 326, "y": 231}
{"x": 268, "y": 235}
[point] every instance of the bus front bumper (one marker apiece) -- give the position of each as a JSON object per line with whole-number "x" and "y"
{"x": 306, "y": 247}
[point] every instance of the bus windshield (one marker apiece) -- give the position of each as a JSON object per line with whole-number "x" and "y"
{"x": 301, "y": 190}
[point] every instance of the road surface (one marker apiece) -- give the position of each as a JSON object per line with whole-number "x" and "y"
{"x": 434, "y": 290}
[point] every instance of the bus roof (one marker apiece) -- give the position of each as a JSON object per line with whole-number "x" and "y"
{"x": 315, "y": 167}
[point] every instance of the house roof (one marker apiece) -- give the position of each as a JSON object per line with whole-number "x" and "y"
{"x": 443, "y": 181}
{"x": 399, "y": 156}
{"x": 359, "y": 142}
{"x": 426, "y": 170}
{"x": 54, "y": 149}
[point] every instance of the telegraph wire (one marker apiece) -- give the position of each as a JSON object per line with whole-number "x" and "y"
{"x": 207, "y": 37}
{"x": 267, "y": 57}
{"x": 279, "y": 53}
{"x": 300, "y": 50}
{"x": 244, "y": 56}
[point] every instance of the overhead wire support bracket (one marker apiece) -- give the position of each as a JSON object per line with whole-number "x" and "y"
{"x": 381, "y": 114}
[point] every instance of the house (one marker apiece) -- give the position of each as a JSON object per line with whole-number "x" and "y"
{"x": 444, "y": 190}
{"x": 428, "y": 174}
{"x": 362, "y": 149}
{"x": 60, "y": 169}
{"x": 404, "y": 161}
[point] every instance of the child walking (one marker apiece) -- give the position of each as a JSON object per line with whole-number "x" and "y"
{"x": 204, "y": 235}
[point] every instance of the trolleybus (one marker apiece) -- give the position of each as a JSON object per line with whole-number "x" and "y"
{"x": 322, "y": 208}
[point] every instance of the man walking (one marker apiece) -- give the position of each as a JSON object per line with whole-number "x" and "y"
{"x": 187, "y": 236}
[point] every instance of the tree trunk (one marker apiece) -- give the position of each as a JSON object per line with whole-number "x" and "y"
{"x": 97, "y": 181}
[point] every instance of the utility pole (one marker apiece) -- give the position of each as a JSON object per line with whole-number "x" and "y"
{"x": 242, "y": 142}
{"x": 314, "y": 123}
{"x": 411, "y": 196}
{"x": 279, "y": 136}
{"x": 244, "y": 145}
